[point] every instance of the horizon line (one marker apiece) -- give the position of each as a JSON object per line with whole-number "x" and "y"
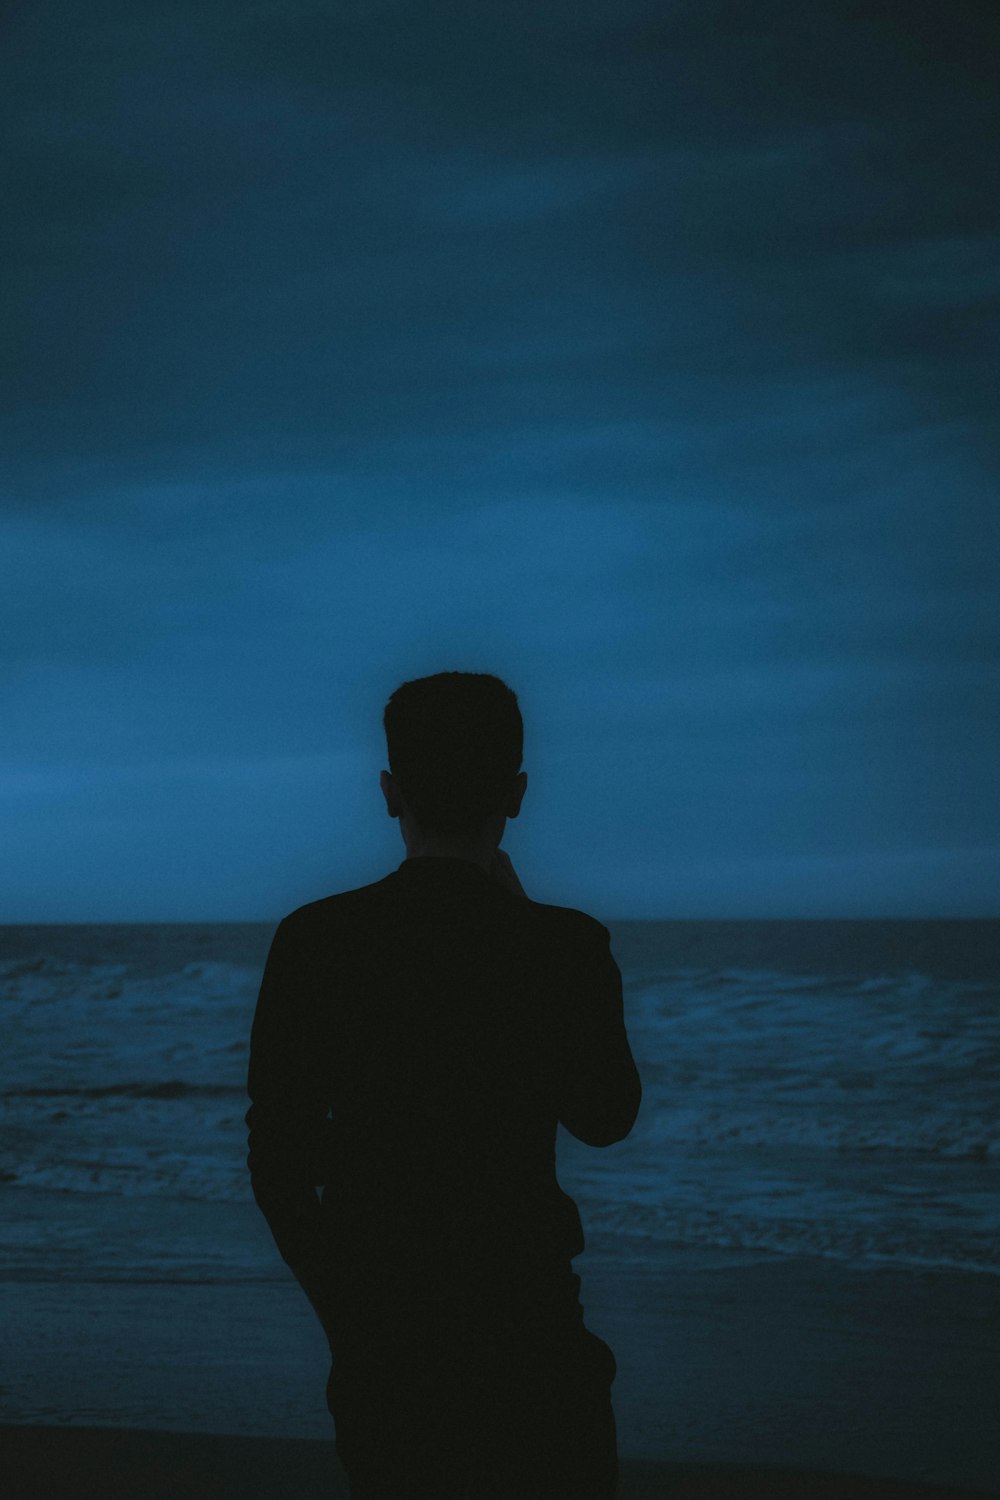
{"x": 268, "y": 921}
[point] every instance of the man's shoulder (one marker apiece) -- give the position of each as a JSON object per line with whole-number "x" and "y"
{"x": 338, "y": 905}
{"x": 356, "y": 904}
{"x": 570, "y": 919}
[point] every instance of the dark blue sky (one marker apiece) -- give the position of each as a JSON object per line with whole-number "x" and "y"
{"x": 644, "y": 354}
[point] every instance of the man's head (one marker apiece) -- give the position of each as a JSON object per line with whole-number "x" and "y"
{"x": 455, "y": 742}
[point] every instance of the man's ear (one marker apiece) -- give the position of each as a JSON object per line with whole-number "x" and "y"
{"x": 517, "y": 793}
{"x": 390, "y": 791}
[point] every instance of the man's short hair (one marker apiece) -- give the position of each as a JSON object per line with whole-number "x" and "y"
{"x": 455, "y": 743}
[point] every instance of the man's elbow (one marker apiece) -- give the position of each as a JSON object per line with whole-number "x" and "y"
{"x": 610, "y": 1125}
{"x": 615, "y": 1130}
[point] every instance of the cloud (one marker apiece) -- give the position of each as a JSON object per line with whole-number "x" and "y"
{"x": 639, "y": 356}
{"x": 269, "y": 237}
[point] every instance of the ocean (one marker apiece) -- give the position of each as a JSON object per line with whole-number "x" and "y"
{"x": 817, "y": 1088}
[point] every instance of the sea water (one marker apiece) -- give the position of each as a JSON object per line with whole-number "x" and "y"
{"x": 810, "y": 1088}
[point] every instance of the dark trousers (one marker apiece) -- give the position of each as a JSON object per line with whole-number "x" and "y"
{"x": 528, "y": 1417}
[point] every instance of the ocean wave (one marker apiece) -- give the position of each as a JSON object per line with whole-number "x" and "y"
{"x": 795, "y": 1058}
{"x": 976, "y": 1138}
{"x": 913, "y": 1240}
{"x": 173, "y": 1088}
{"x": 139, "y": 1177}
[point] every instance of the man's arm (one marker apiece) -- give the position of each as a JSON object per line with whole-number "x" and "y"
{"x": 287, "y": 1120}
{"x": 598, "y": 1089}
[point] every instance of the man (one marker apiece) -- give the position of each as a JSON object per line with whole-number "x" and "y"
{"x": 415, "y": 1042}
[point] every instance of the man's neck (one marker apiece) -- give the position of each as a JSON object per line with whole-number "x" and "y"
{"x": 429, "y": 846}
{"x": 454, "y": 851}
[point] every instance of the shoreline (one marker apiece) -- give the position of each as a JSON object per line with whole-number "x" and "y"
{"x": 724, "y": 1358}
{"x": 115, "y": 1463}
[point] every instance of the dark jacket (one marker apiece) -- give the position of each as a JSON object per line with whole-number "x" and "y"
{"x": 414, "y": 1044}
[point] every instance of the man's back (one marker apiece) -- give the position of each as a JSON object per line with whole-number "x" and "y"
{"x": 447, "y": 1024}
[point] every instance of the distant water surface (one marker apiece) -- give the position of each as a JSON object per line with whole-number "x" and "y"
{"x": 810, "y": 1088}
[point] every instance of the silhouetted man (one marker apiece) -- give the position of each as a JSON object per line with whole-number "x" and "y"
{"x": 415, "y": 1043}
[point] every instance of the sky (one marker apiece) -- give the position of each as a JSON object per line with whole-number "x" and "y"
{"x": 644, "y": 355}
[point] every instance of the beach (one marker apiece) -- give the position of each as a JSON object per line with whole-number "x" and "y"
{"x": 44, "y": 1463}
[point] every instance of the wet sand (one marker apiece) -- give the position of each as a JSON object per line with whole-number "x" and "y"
{"x": 96, "y": 1463}
{"x": 732, "y": 1370}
